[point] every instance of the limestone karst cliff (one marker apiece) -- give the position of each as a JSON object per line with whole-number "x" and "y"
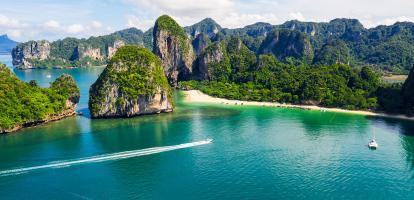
{"x": 132, "y": 84}
{"x": 24, "y": 54}
{"x": 173, "y": 47}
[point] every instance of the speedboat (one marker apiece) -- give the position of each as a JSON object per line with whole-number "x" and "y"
{"x": 373, "y": 144}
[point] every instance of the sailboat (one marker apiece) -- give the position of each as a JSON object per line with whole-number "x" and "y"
{"x": 372, "y": 144}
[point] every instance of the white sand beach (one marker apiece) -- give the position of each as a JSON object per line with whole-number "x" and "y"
{"x": 196, "y": 96}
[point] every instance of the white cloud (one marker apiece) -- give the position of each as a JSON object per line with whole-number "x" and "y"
{"x": 134, "y": 21}
{"x": 184, "y": 7}
{"x": 236, "y": 20}
{"x": 13, "y": 33}
{"x": 239, "y": 13}
{"x": 96, "y": 24}
{"x": 185, "y": 12}
{"x": 297, "y": 16}
{"x": 51, "y": 24}
{"x": 370, "y": 22}
{"x": 390, "y": 21}
{"x": 75, "y": 28}
{"x": 19, "y": 22}
{"x": 9, "y": 22}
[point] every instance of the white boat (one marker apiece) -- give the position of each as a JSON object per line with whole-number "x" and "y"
{"x": 49, "y": 76}
{"x": 373, "y": 144}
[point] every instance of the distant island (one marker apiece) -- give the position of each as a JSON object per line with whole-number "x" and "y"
{"x": 26, "y": 104}
{"x": 6, "y": 44}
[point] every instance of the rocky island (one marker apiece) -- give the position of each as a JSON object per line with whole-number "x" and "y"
{"x": 132, "y": 84}
{"x": 26, "y": 104}
{"x": 72, "y": 52}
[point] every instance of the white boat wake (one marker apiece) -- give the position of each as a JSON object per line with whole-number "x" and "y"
{"x": 105, "y": 157}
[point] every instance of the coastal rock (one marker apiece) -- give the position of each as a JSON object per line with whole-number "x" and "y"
{"x": 94, "y": 53}
{"x": 112, "y": 49}
{"x": 173, "y": 46}
{"x": 73, "y": 52}
{"x": 132, "y": 84}
{"x": 24, "y": 54}
{"x": 83, "y": 52}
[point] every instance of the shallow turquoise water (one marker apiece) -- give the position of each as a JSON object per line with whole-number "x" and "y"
{"x": 257, "y": 153}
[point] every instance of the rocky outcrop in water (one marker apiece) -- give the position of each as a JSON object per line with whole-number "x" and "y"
{"x": 23, "y": 54}
{"x": 132, "y": 84}
{"x": 173, "y": 47}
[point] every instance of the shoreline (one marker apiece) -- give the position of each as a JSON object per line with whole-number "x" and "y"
{"x": 196, "y": 96}
{"x": 51, "y": 118}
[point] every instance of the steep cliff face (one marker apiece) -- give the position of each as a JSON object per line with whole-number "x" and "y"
{"x": 85, "y": 51}
{"x": 112, "y": 49}
{"x": 132, "y": 84}
{"x": 94, "y": 53}
{"x": 23, "y": 54}
{"x": 26, "y": 104}
{"x": 212, "y": 55}
{"x": 73, "y": 52}
{"x": 173, "y": 46}
{"x": 200, "y": 43}
{"x": 286, "y": 43}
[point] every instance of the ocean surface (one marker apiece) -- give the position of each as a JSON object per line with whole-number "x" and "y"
{"x": 256, "y": 153}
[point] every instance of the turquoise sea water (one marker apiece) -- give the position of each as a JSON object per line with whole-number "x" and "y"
{"x": 257, "y": 153}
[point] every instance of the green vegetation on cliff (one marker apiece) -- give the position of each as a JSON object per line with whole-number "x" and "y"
{"x": 240, "y": 74}
{"x": 287, "y": 43}
{"x": 168, "y": 24}
{"x": 22, "y": 103}
{"x": 73, "y": 52}
{"x": 135, "y": 72}
{"x": 388, "y": 48}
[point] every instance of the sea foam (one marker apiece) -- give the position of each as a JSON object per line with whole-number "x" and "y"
{"x": 104, "y": 157}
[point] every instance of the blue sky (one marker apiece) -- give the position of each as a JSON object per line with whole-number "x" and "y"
{"x": 26, "y": 20}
